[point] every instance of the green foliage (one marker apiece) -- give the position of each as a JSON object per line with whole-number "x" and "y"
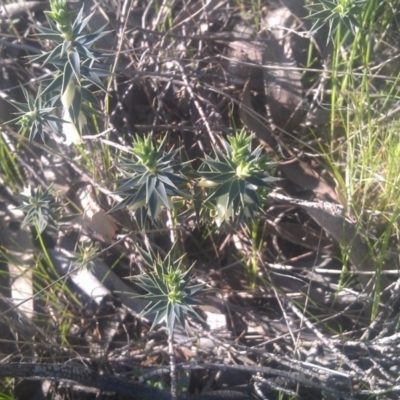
{"x": 335, "y": 13}
{"x": 59, "y": 13}
{"x": 33, "y": 116}
{"x": 73, "y": 54}
{"x": 151, "y": 178}
{"x": 4, "y": 393}
{"x": 85, "y": 257}
{"x": 168, "y": 291}
{"x": 236, "y": 178}
{"x": 40, "y": 207}
{"x": 74, "y": 60}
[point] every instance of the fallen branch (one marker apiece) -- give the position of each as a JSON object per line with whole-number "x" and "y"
{"x": 89, "y": 378}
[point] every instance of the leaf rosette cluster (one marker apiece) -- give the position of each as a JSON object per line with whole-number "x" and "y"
{"x": 151, "y": 178}
{"x": 168, "y": 289}
{"x": 40, "y": 207}
{"x": 74, "y": 80}
{"x": 236, "y": 180}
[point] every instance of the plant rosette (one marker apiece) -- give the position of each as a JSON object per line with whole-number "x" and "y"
{"x": 170, "y": 295}
{"x": 73, "y": 84}
{"x": 235, "y": 180}
{"x": 151, "y": 179}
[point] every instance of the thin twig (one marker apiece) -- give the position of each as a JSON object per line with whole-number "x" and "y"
{"x": 172, "y": 363}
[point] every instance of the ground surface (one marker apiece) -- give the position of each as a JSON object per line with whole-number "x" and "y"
{"x": 297, "y": 307}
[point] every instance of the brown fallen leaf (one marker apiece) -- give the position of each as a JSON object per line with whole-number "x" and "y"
{"x": 244, "y": 59}
{"x": 300, "y": 235}
{"x": 320, "y": 36}
{"x": 331, "y": 217}
{"x": 307, "y": 178}
{"x": 93, "y": 216}
{"x": 282, "y": 81}
{"x": 253, "y": 121}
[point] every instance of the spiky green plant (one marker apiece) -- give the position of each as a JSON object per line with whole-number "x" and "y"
{"x": 236, "y": 179}
{"x": 34, "y": 115}
{"x": 85, "y": 257}
{"x": 74, "y": 59}
{"x": 335, "y": 13}
{"x": 168, "y": 289}
{"x": 170, "y": 297}
{"x": 151, "y": 178}
{"x": 40, "y": 207}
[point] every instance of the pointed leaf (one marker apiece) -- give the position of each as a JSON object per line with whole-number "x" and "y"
{"x": 218, "y": 166}
{"x": 55, "y": 37}
{"x": 150, "y": 185}
{"x": 65, "y": 46}
{"x": 221, "y": 191}
{"x": 166, "y": 178}
{"x": 160, "y": 189}
{"x": 78, "y": 20}
{"x": 153, "y": 205}
{"x": 75, "y": 62}
{"x": 88, "y": 96}
{"x": 147, "y": 257}
{"x": 87, "y": 40}
{"x": 92, "y": 77}
{"x": 76, "y": 107}
{"x": 84, "y": 51}
{"x": 253, "y": 197}
{"x": 170, "y": 316}
{"x": 67, "y": 76}
{"x": 161, "y": 316}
